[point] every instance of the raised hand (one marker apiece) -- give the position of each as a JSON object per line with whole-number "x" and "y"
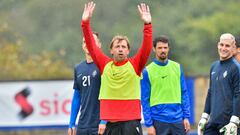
{"x": 88, "y": 11}
{"x": 145, "y": 13}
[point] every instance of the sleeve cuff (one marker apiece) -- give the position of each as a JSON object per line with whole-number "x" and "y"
{"x": 147, "y": 23}
{"x": 205, "y": 116}
{"x": 71, "y": 126}
{"x": 235, "y": 120}
{"x": 85, "y": 22}
{"x": 148, "y": 124}
{"x": 103, "y": 122}
{"x": 186, "y": 116}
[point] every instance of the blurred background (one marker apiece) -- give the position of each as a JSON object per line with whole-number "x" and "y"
{"x": 40, "y": 43}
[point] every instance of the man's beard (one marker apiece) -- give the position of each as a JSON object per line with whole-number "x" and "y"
{"x": 163, "y": 57}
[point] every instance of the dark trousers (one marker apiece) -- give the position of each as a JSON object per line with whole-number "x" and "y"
{"x": 132, "y": 127}
{"x": 213, "y": 129}
{"x": 163, "y": 128}
{"x": 87, "y": 131}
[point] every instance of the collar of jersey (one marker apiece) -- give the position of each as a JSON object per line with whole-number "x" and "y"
{"x": 160, "y": 63}
{"x": 120, "y": 63}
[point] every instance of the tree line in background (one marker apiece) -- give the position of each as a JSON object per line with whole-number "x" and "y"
{"x": 49, "y": 38}
{"x": 16, "y": 64}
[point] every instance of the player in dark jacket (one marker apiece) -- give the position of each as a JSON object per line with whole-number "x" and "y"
{"x": 222, "y": 107}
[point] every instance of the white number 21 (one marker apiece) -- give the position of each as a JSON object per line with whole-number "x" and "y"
{"x": 86, "y": 80}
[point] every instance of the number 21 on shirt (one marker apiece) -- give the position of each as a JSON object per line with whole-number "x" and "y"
{"x": 86, "y": 80}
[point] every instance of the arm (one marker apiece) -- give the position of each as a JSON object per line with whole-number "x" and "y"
{"x": 185, "y": 102}
{"x": 98, "y": 56}
{"x": 76, "y": 101}
{"x": 205, "y": 115}
{"x": 207, "y": 107}
{"x": 145, "y": 99}
{"x": 231, "y": 127}
{"x": 140, "y": 59}
{"x": 185, "y": 96}
{"x": 236, "y": 94}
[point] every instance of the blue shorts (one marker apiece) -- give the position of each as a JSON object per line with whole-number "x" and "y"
{"x": 163, "y": 128}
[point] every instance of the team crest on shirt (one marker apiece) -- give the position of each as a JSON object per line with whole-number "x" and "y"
{"x": 94, "y": 73}
{"x": 225, "y": 74}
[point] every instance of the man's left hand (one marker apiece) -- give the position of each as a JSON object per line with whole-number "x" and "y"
{"x": 186, "y": 125}
{"x": 144, "y": 12}
{"x": 101, "y": 128}
{"x": 229, "y": 129}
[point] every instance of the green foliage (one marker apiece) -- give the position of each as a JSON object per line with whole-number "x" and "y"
{"x": 16, "y": 64}
{"x": 193, "y": 26}
{"x": 200, "y": 36}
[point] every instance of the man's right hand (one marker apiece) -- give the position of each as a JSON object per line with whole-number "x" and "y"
{"x": 151, "y": 131}
{"x": 202, "y": 123}
{"x": 88, "y": 11}
{"x": 71, "y": 131}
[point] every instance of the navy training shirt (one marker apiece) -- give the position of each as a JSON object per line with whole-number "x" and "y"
{"x": 223, "y": 99}
{"x": 87, "y": 80}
